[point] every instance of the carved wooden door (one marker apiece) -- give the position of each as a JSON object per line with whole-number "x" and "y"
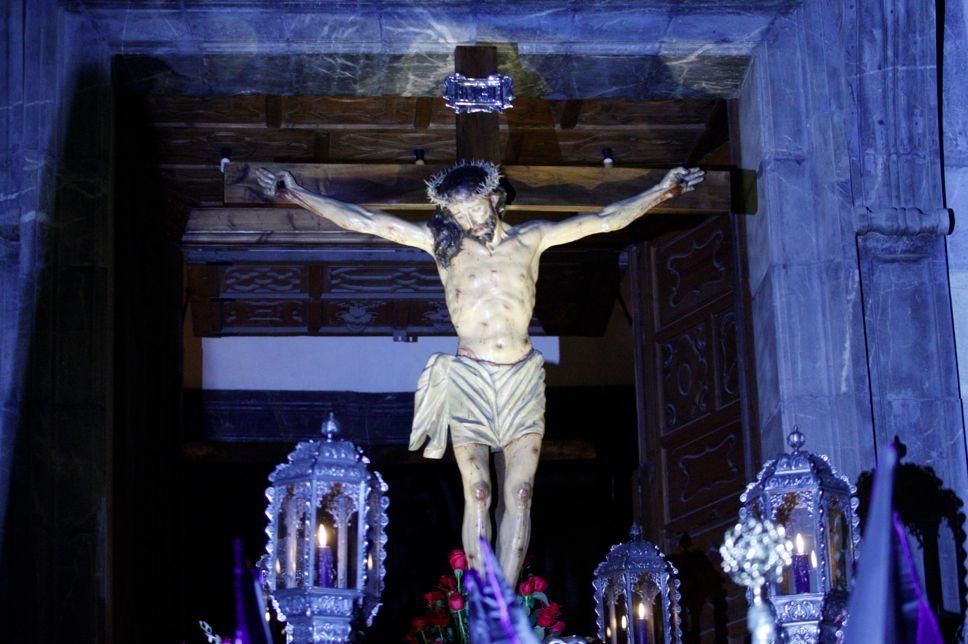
{"x": 696, "y": 445}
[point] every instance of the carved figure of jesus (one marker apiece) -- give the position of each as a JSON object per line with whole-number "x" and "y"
{"x": 490, "y": 395}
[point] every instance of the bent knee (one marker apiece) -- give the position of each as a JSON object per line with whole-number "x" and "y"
{"x": 521, "y": 495}
{"x": 480, "y": 493}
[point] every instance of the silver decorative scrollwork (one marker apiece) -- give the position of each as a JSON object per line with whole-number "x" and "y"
{"x": 637, "y": 571}
{"x": 325, "y": 486}
{"x": 801, "y": 491}
{"x": 468, "y": 95}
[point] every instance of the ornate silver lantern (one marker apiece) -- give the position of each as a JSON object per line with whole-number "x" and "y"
{"x": 637, "y": 594}
{"x": 817, "y": 509}
{"x": 327, "y": 537}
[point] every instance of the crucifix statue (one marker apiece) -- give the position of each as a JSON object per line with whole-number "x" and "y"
{"x": 490, "y": 395}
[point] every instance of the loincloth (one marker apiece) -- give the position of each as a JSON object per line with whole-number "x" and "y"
{"x": 482, "y": 402}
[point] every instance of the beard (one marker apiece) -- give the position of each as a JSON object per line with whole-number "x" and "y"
{"x": 486, "y": 237}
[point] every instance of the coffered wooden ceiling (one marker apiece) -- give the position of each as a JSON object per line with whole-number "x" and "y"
{"x": 354, "y": 286}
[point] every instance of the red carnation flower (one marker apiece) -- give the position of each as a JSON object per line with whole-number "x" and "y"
{"x": 557, "y": 627}
{"x": 540, "y": 585}
{"x": 548, "y": 615}
{"x": 526, "y": 587}
{"x": 455, "y": 601}
{"x": 419, "y": 622}
{"x": 410, "y": 638}
{"x": 458, "y": 560}
{"x": 448, "y": 583}
{"x": 439, "y": 618}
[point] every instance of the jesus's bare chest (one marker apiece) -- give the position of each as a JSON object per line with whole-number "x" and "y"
{"x": 491, "y": 284}
{"x": 506, "y": 269}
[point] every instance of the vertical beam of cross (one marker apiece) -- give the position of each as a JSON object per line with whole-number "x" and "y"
{"x": 478, "y": 135}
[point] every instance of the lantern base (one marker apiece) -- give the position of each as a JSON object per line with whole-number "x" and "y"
{"x": 811, "y": 617}
{"x": 318, "y": 614}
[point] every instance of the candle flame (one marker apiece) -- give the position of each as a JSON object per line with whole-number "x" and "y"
{"x": 278, "y": 567}
{"x": 625, "y": 622}
{"x": 268, "y": 617}
{"x": 321, "y": 536}
{"x": 608, "y": 631}
{"x": 369, "y": 562}
{"x": 813, "y": 558}
{"x": 641, "y": 610}
{"x": 799, "y": 541}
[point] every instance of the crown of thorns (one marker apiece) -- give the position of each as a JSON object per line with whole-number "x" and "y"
{"x": 440, "y": 193}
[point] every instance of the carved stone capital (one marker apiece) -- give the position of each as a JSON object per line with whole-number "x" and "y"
{"x": 900, "y": 221}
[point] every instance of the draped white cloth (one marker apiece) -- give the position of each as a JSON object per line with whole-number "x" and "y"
{"x": 482, "y": 402}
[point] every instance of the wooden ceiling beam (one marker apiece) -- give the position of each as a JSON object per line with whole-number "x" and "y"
{"x": 537, "y": 188}
{"x": 477, "y": 134}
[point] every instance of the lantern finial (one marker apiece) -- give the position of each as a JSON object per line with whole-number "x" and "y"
{"x": 796, "y": 439}
{"x": 635, "y": 532}
{"x": 330, "y": 427}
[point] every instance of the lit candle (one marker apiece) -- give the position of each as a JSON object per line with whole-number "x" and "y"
{"x": 801, "y": 568}
{"x": 324, "y": 560}
{"x": 641, "y": 625}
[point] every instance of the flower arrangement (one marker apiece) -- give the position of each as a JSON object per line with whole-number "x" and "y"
{"x": 445, "y": 620}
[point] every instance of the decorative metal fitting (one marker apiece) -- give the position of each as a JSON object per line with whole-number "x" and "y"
{"x": 754, "y": 553}
{"x": 468, "y": 95}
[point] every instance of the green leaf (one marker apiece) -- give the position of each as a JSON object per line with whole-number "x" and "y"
{"x": 542, "y": 597}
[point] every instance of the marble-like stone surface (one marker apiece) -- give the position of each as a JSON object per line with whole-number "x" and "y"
{"x": 557, "y": 50}
{"x": 807, "y": 314}
{"x": 955, "y": 140}
{"x": 55, "y": 242}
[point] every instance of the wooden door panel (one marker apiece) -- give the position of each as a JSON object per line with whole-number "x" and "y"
{"x": 705, "y": 470}
{"x": 692, "y": 269}
{"x": 694, "y": 424}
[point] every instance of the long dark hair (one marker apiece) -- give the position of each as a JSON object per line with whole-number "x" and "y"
{"x": 448, "y": 234}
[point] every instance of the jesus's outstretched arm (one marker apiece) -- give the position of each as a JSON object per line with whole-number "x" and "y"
{"x": 345, "y": 215}
{"x": 622, "y": 213}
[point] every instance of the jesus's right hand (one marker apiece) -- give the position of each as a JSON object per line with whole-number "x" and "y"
{"x": 272, "y": 183}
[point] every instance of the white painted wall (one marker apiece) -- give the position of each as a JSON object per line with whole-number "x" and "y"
{"x": 304, "y": 363}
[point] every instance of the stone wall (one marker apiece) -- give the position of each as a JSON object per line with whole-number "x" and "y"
{"x": 955, "y": 141}
{"x": 807, "y": 315}
{"x": 55, "y": 349}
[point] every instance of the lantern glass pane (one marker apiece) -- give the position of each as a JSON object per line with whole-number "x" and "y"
{"x": 839, "y": 545}
{"x": 302, "y": 538}
{"x": 644, "y": 611}
{"x": 621, "y": 619}
{"x": 613, "y": 595}
{"x": 283, "y": 554}
{"x": 352, "y": 552}
{"x": 340, "y": 508}
{"x": 802, "y": 575}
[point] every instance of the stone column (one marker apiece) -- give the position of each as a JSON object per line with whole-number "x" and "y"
{"x": 901, "y": 224}
{"x": 848, "y": 269}
{"x": 794, "y": 116}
